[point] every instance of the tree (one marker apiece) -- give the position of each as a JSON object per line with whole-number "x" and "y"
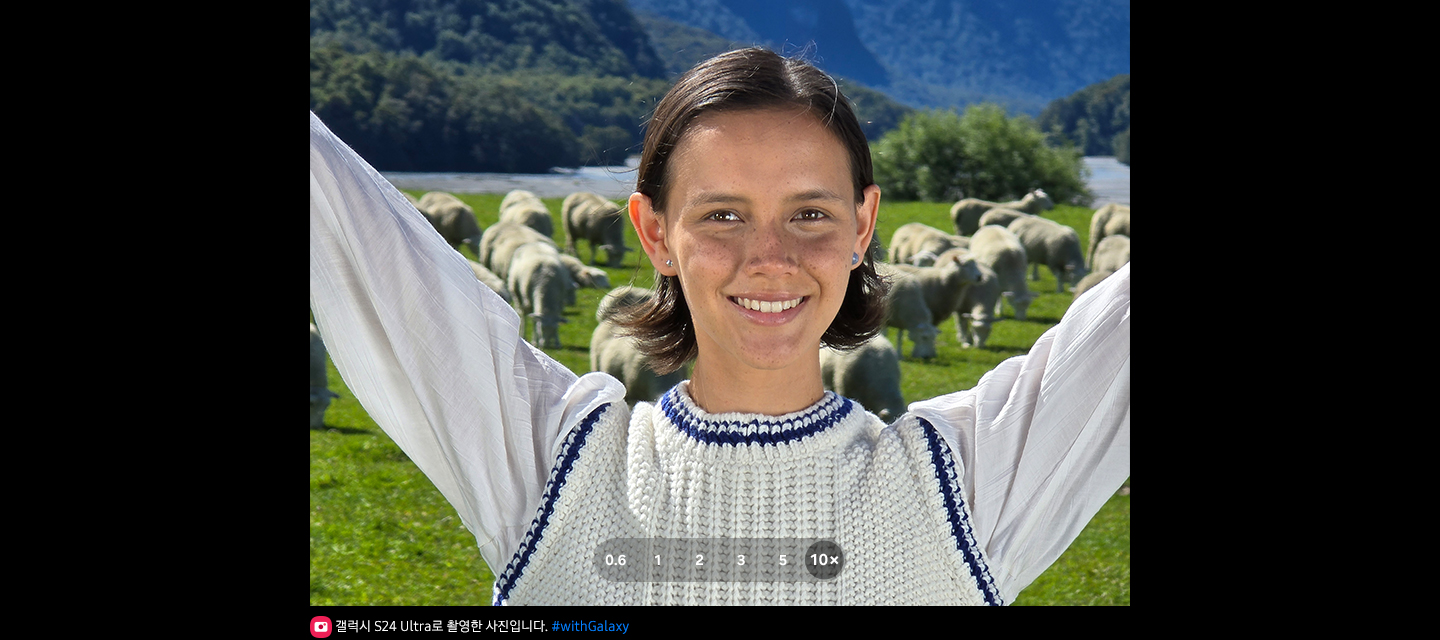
{"x": 941, "y": 156}
{"x": 1092, "y": 117}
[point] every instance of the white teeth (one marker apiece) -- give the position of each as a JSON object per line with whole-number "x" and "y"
{"x": 765, "y": 306}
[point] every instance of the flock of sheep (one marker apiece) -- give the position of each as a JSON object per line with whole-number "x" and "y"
{"x": 933, "y": 275}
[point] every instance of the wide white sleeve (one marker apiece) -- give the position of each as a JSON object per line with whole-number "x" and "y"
{"x": 434, "y": 356}
{"x": 1044, "y": 438}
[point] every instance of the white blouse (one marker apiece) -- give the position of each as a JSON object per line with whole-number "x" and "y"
{"x": 437, "y": 360}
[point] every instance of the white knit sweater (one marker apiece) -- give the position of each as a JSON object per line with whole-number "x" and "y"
{"x": 888, "y": 496}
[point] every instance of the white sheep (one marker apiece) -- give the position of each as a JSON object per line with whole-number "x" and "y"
{"x": 620, "y": 298}
{"x": 1054, "y": 245}
{"x": 1088, "y": 282}
{"x": 490, "y": 280}
{"x": 586, "y": 276}
{"x": 1002, "y": 216}
{"x": 869, "y": 375}
{"x": 965, "y": 214}
{"x": 454, "y": 219}
{"x": 526, "y": 208}
{"x": 594, "y": 219}
{"x": 1110, "y": 220}
{"x": 915, "y": 238}
{"x": 618, "y": 356}
{"x": 943, "y": 284}
{"x": 583, "y": 276}
{"x": 1112, "y": 253}
{"x": 500, "y": 241}
{"x": 999, "y": 249}
{"x": 924, "y": 259}
{"x": 976, "y": 310}
{"x": 540, "y": 284}
{"x": 907, "y": 311}
{"x": 320, "y": 393}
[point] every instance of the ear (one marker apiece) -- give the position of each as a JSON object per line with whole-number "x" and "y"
{"x": 867, "y": 214}
{"x": 651, "y": 230}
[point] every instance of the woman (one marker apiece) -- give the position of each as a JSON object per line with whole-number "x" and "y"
{"x": 755, "y": 202}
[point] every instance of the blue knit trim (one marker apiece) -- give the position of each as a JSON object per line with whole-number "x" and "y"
{"x": 764, "y": 430}
{"x": 943, "y": 460}
{"x": 558, "y": 475}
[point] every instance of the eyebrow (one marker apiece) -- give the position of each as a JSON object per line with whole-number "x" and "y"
{"x": 721, "y": 197}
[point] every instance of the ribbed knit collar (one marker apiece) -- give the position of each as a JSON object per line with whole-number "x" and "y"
{"x": 751, "y": 428}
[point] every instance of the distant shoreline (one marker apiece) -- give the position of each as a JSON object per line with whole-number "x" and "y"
{"x": 1109, "y": 179}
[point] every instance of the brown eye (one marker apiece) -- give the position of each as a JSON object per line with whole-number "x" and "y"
{"x": 811, "y": 214}
{"x": 723, "y": 216}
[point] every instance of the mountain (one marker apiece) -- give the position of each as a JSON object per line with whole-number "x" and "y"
{"x": 933, "y": 53}
{"x": 788, "y": 27}
{"x": 681, "y": 47}
{"x": 587, "y": 37}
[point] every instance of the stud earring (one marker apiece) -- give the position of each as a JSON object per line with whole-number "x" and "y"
{"x": 669, "y": 263}
{"x": 854, "y": 259}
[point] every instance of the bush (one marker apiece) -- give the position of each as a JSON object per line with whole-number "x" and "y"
{"x": 940, "y": 156}
{"x": 1122, "y": 147}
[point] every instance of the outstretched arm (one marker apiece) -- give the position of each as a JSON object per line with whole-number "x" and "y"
{"x": 433, "y": 355}
{"x": 1044, "y": 438}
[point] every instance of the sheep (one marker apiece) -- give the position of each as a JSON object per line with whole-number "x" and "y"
{"x": 869, "y": 375}
{"x": 491, "y": 280}
{"x": 907, "y": 311}
{"x": 621, "y": 297}
{"x": 916, "y": 238}
{"x": 617, "y": 355}
{"x": 1002, "y": 216}
{"x": 924, "y": 259}
{"x": 1112, "y": 253}
{"x": 1089, "y": 281}
{"x": 454, "y": 219}
{"x": 965, "y": 214}
{"x": 500, "y": 241}
{"x": 943, "y": 285}
{"x": 999, "y": 249}
{"x": 1054, "y": 245}
{"x": 1110, "y": 220}
{"x": 539, "y": 283}
{"x": 320, "y": 394}
{"x": 583, "y": 276}
{"x": 976, "y": 310}
{"x": 526, "y": 208}
{"x": 600, "y": 222}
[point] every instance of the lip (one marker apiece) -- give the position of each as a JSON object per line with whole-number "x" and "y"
{"x": 769, "y": 319}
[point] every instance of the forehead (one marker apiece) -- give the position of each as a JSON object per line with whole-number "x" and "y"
{"x": 769, "y": 147}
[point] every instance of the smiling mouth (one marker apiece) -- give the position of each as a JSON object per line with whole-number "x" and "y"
{"x": 765, "y": 306}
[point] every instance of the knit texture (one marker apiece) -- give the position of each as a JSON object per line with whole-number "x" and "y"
{"x": 889, "y": 496}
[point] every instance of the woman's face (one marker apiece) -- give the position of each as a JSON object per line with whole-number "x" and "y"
{"x": 761, "y": 225}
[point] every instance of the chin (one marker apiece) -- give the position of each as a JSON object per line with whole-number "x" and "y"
{"x": 777, "y": 357}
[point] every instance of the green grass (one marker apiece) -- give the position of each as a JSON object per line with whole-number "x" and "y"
{"x": 380, "y": 533}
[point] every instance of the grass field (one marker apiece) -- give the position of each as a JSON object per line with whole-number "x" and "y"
{"x": 380, "y": 533}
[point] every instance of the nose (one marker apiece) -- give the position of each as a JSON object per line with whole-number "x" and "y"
{"x": 770, "y": 250}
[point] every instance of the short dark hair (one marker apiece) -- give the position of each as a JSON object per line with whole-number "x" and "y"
{"x": 742, "y": 80}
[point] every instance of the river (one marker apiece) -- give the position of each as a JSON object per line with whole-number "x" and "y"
{"x": 1109, "y": 179}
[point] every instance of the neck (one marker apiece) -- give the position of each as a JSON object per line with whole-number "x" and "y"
{"x": 770, "y": 393}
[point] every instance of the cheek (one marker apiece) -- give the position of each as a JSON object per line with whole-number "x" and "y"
{"x": 831, "y": 253}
